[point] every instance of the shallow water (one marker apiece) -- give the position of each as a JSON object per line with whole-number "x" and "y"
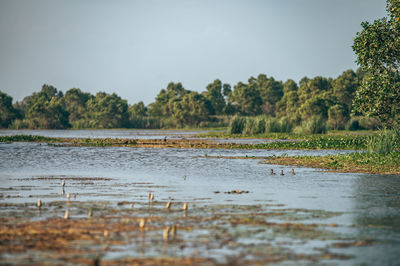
{"x": 366, "y": 207}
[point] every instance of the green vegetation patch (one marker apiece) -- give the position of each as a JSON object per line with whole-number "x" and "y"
{"x": 27, "y": 138}
{"x": 359, "y": 162}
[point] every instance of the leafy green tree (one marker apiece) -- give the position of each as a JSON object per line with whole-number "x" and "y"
{"x": 75, "y": 104}
{"x": 7, "y": 112}
{"x": 289, "y": 104}
{"x": 337, "y": 116}
{"x": 271, "y": 91}
{"x": 246, "y": 99}
{"x": 138, "y": 109}
{"x": 316, "y": 105}
{"x": 377, "y": 48}
{"x": 161, "y": 106}
{"x": 191, "y": 109}
{"x": 46, "y": 109}
{"x": 214, "y": 95}
{"x": 107, "y": 111}
{"x": 312, "y": 87}
{"x": 344, "y": 87}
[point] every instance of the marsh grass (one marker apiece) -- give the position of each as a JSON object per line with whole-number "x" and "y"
{"x": 385, "y": 142}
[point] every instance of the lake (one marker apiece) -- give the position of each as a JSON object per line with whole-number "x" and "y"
{"x": 237, "y": 210}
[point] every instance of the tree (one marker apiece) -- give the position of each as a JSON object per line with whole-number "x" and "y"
{"x": 344, "y": 87}
{"x": 337, "y": 116}
{"x": 289, "y": 104}
{"x": 246, "y": 99}
{"x": 214, "y": 95}
{"x": 190, "y": 109}
{"x": 161, "y": 106}
{"x": 107, "y": 111}
{"x": 138, "y": 109}
{"x": 7, "y": 112}
{"x": 46, "y": 109}
{"x": 75, "y": 104}
{"x": 377, "y": 48}
{"x": 271, "y": 91}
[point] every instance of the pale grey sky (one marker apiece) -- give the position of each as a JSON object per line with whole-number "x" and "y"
{"x": 135, "y": 48}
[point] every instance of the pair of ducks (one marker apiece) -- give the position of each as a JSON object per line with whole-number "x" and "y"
{"x": 273, "y": 173}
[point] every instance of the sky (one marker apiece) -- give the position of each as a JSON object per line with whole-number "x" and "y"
{"x": 136, "y": 47}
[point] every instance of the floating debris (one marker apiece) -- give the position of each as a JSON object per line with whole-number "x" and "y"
{"x": 66, "y": 216}
{"x": 106, "y": 233}
{"x": 152, "y": 197}
{"x": 90, "y": 214}
{"x": 63, "y": 183}
{"x": 185, "y": 206}
{"x": 131, "y": 205}
{"x": 68, "y": 196}
{"x": 39, "y": 203}
{"x": 168, "y": 205}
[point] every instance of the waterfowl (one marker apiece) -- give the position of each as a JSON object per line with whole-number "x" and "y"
{"x": 282, "y": 172}
{"x": 152, "y": 197}
{"x": 292, "y": 172}
{"x": 174, "y": 230}
{"x": 185, "y": 206}
{"x": 166, "y": 233}
{"x": 90, "y": 214}
{"x": 272, "y": 172}
{"x": 63, "y": 183}
{"x": 142, "y": 223}
{"x": 68, "y": 196}
{"x": 39, "y": 203}
{"x": 168, "y": 205}
{"x": 66, "y": 216}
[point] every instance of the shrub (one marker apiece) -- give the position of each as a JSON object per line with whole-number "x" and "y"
{"x": 386, "y": 141}
{"x": 237, "y": 125}
{"x": 315, "y": 125}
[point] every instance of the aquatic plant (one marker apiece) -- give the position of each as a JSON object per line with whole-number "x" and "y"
{"x": 386, "y": 141}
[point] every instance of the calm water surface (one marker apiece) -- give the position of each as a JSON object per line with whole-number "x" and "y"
{"x": 369, "y": 204}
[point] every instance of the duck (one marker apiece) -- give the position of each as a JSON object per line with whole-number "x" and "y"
{"x": 282, "y": 172}
{"x": 272, "y": 172}
{"x": 292, "y": 172}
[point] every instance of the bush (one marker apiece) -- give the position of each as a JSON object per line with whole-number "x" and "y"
{"x": 237, "y": 125}
{"x": 286, "y": 125}
{"x": 315, "y": 125}
{"x": 386, "y": 141}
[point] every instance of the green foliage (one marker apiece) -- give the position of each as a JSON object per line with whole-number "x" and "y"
{"x": 46, "y": 109}
{"x": 386, "y": 141}
{"x": 337, "y": 117}
{"x": 315, "y": 125}
{"x": 107, "y": 111}
{"x": 349, "y": 142}
{"x": 259, "y": 125}
{"x": 237, "y": 125}
{"x": 215, "y": 97}
{"x": 75, "y": 104}
{"x": 25, "y": 138}
{"x": 377, "y": 48}
{"x": 246, "y": 99}
{"x": 7, "y": 112}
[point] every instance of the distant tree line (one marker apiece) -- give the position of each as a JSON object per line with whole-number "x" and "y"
{"x": 326, "y": 98}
